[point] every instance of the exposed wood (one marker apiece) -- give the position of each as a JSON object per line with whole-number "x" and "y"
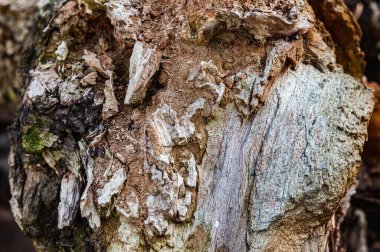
{"x": 144, "y": 63}
{"x": 218, "y": 126}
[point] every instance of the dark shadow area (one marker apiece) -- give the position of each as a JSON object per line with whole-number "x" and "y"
{"x": 12, "y": 239}
{"x": 363, "y": 217}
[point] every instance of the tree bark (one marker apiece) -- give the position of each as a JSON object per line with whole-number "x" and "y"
{"x": 184, "y": 125}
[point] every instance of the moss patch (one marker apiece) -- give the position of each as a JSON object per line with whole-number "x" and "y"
{"x": 36, "y": 138}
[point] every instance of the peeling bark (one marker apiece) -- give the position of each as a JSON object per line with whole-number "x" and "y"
{"x": 144, "y": 63}
{"x": 218, "y": 126}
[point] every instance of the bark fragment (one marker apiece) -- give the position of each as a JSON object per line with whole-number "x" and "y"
{"x": 125, "y": 18}
{"x": 143, "y": 65}
{"x": 110, "y": 104}
{"x": 43, "y": 85}
{"x": 87, "y": 206}
{"x": 263, "y": 24}
{"x": 92, "y": 60}
{"x": 89, "y": 79}
{"x": 112, "y": 187}
{"x": 69, "y": 200}
{"x": 62, "y": 51}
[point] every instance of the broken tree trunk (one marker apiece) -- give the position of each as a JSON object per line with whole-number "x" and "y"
{"x": 183, "y": 125}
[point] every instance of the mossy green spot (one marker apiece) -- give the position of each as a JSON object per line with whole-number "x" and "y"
{"x": 35, "y": 139}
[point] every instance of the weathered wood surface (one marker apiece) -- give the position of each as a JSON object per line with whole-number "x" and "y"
{"x": 172, "y": 126}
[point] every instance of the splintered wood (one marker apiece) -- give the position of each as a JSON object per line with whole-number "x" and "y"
{"x": 143, "y": 65}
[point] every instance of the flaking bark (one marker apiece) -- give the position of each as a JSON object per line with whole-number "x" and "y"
{"x": 184, "y": 125}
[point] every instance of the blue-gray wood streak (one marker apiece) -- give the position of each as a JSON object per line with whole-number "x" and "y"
{"x": 281, "y": 173}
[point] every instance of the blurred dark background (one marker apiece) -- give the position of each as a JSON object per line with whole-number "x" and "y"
{"x": 363, "y": 217}
{"x": 11, "y": 237}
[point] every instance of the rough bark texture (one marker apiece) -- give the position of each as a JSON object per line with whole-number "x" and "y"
{"x": 183, "y": 125}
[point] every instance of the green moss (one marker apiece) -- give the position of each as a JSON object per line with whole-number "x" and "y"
{"x": 36, "y": 138}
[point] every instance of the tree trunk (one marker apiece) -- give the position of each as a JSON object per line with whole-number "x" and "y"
{"x": 184, "y": 125}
